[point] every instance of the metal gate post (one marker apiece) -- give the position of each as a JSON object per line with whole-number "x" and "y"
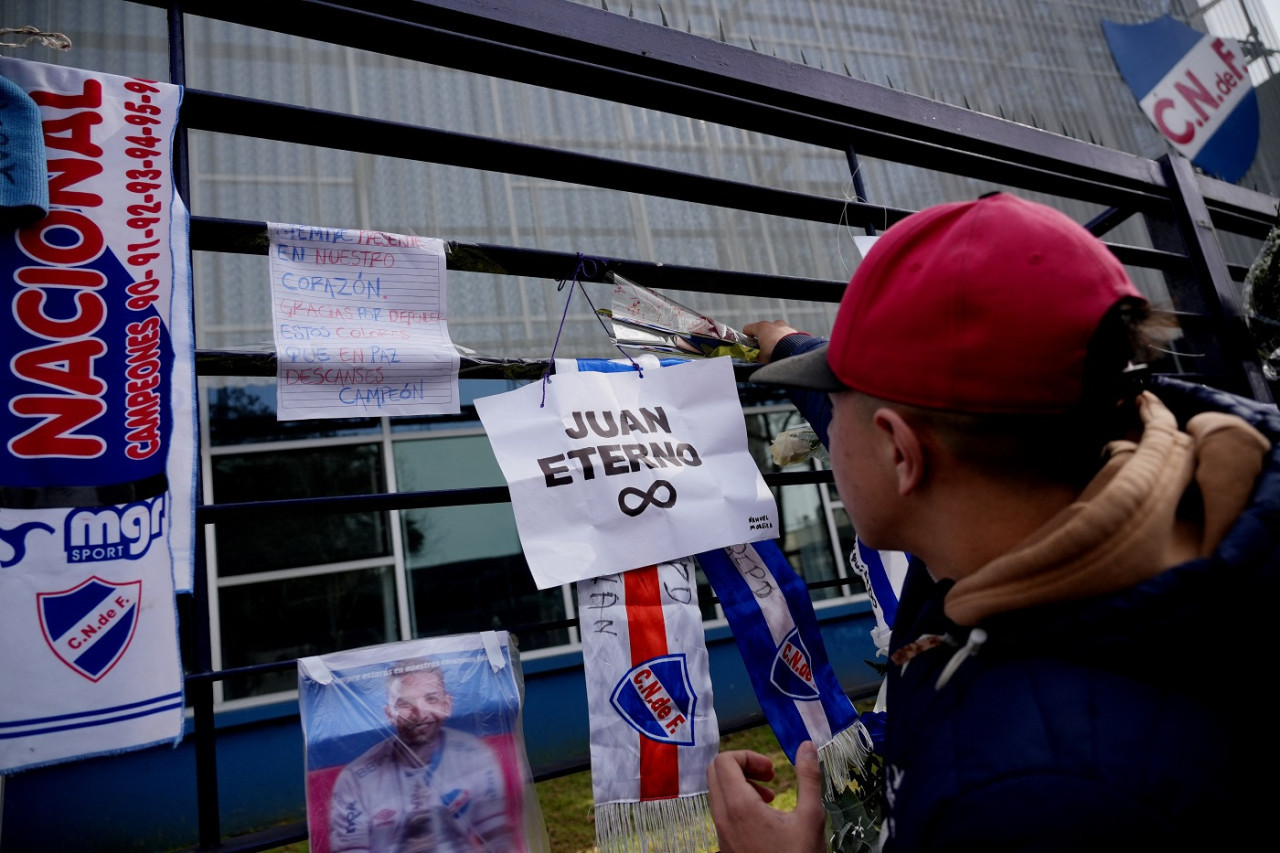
{"x": 1210, "y": 267}
{"x": 199, "y": 692}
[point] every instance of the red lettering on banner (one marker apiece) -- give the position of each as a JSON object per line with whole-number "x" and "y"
{"x": 142, "y": 408}
{"x": 1182, "y": 137}
{"x": 1195, "y": 95}
{"x": 62, "y": 416}
{"x": 59, "y": 277}
{"x": 67, "y": 364}
{"x": 795, "y": 659}
{"x": 73, "y": 133}
{"x": 88, "y": 246}
{"x": 90, "y": 97}
{"x": 1220, "y": 48}
{"x": 28, "y": 307}
{"x": 653, "y": 693}
{"x": 68, "y": 171}
{"x": 89, "y": 629}
{"x": 1190, "y": 100}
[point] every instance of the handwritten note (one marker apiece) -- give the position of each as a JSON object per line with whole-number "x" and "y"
{"x": 614, "y": 470}
{"x": 359, "y": 320}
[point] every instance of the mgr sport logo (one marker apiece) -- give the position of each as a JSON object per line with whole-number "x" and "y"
{"x": 90, "y": 625}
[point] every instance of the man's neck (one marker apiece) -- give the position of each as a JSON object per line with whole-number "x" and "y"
{"x": 973, "y": 526}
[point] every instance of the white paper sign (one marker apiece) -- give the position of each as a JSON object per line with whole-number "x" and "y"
{"x": 618, "y": 471}
{"x": 359, "y": 324}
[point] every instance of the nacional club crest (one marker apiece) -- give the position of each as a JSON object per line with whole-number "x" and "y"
{"x": 89, "y": 626}
{"x": 656, "y": 698}
{"x": 1195, "y": 89}
{"x": 792, "y": 671}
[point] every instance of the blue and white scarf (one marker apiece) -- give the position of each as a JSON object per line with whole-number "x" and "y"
{"x": 773, "y": 622}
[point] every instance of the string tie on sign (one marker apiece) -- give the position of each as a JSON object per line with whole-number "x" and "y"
{"x": 587, "y": 267}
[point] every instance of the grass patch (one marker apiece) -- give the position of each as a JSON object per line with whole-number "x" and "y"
{"x": 566, "y": 801}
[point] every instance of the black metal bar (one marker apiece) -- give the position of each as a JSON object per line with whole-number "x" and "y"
{"x": 1237, "y": 209}
{"x": 288, "y": 123}
{"x": 595, "y": 53}
{"x": 178, "y": 76}
{"x": 246, "y": 237}
{"x": 859, "y": 186}
{"x": 200, "y": 699}
{"x": 229, "y": 114}
{"x": 232, "y": 672}
{"x": 263, "y": 364}
{"x": 199, "y": 694}
{"x": 621, "y": 59}
{"x": 290, "y": 507}
{"x": 1105, "y": 221}
{"x": 1125, "y": 181}
{"x": 656, "y": 52}
{"x": 1210, "y": 267}
{"x": 1156, "y": 259}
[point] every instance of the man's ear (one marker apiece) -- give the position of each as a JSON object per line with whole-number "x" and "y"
{"x": 909, "y": 456}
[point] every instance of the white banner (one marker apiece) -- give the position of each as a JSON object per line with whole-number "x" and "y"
{"x": 96, "y": 502}
{"x": 618, "y": 470}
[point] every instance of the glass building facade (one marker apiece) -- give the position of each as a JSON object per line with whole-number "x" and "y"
{"x": 295, "y": 586}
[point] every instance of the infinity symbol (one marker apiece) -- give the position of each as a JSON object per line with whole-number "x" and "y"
{"x": 646, "y": 498}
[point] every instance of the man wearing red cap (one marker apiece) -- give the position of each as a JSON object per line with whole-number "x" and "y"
{"x": 1077, "y": 543}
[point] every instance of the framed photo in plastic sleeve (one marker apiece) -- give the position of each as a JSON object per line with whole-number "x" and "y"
{"x": 418, "y": 746}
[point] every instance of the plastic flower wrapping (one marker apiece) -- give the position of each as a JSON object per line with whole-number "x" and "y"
{"x": 856, "y": 811}
{"x": 647, "y": 320}
{"x": 795, "y": 445}
{"x": 1262, "y": 302}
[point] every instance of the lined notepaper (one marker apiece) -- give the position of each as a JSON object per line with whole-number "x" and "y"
{"x": 359, "y": 321}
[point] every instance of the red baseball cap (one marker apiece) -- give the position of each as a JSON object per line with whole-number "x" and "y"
{"x": 983, "y": 306}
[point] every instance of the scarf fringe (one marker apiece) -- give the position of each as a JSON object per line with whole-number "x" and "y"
{"x": 678, "y": 825}
{"x": 850, "y": 748}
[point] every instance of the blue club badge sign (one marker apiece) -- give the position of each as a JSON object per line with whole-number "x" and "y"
{"x": 90, "y": 626}
{"x": 1194, "y": 88}
{"x": 657, "y": 699}
{"x": 792, "y": 671}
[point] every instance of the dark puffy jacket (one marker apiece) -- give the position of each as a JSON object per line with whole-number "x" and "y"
{"x": 1138, "y": 720}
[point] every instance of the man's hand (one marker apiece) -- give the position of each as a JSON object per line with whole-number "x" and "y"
{"x": 746, "y": 823}
{"x": 767, "y": 333}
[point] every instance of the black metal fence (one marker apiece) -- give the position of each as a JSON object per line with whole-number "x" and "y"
{"x": 610, "y": 56}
